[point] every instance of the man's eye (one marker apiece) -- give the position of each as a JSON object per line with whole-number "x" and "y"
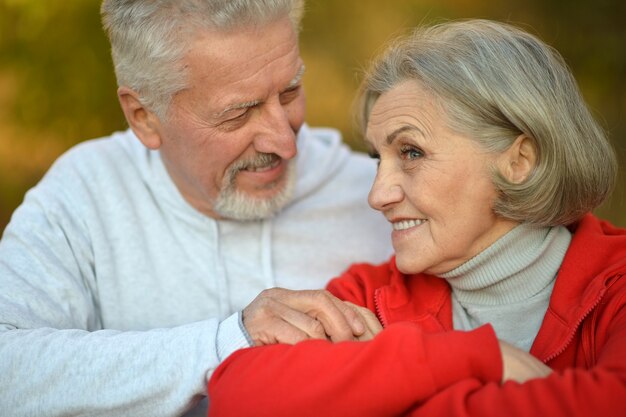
{"x": 240, "y": 117}
{"x": 289, "y": 95}
{"x": 235, "y": 122}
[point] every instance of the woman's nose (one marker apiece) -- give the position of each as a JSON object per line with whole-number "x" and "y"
{"x": 385, "y": 191}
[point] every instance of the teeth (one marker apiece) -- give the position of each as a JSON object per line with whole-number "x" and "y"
{"x": 264, "y": 167}
{"x": 406, "y": 224}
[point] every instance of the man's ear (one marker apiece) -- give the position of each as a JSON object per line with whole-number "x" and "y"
{"x": 517, "y": 162}
{"x": 144, "y": 122}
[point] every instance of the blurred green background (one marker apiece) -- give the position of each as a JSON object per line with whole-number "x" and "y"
{"x": 57, "y": 86}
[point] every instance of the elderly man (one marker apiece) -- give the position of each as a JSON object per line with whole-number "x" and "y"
{"x": 140, "y": 261}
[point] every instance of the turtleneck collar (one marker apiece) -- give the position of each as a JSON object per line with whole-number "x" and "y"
{"x": 514, "y": 268}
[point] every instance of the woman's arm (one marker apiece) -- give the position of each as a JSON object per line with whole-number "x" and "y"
{"x": 402, "y": 366}
{"x": 595, "y": 387}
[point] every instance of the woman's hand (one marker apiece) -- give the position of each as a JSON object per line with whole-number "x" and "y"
{"x": 520, "y": 366}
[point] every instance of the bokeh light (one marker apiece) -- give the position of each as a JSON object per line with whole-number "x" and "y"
{"x": 57, "y": 86}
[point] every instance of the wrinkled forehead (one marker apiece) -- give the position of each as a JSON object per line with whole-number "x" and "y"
{"x": 233, "y": 69}
{"x": 240, "y": 53}
{"x": 406, "y": 102}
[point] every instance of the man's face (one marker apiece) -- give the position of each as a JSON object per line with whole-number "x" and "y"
{"x": 228, "y": 140}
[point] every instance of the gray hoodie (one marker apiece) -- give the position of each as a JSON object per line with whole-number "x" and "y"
{"x": 119, "y": 298}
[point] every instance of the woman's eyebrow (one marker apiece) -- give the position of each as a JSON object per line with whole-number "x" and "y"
{"x": 406, "y": 128}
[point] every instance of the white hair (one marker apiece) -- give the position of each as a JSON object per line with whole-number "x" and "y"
{"x": 496, "y": 82}
{"x": 148, "y": 37}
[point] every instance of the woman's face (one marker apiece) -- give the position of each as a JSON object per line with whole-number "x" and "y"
{"x": 433, "y": 185}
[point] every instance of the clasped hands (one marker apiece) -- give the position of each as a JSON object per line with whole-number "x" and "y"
{"x": 279, "y": 315}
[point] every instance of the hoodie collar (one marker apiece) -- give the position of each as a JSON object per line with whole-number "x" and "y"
{"x": 321, "y": 154}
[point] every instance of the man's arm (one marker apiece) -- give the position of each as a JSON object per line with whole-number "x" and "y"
{"x": 57, "y": 360}
{"x": 60, "y": 372}
{"x": 57, "y": 357}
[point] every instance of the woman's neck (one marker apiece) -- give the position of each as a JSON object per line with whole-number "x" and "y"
{"x": 514, "y": 268}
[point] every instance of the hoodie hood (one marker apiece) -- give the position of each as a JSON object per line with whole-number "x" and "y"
{"x": 321, "y": 154}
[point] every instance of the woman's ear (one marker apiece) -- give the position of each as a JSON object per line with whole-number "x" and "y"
{"x": 141, "y": 120}
{"x": 517, "y": 162}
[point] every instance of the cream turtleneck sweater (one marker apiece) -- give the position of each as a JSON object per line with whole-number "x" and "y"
{"x": 509, "y": 283}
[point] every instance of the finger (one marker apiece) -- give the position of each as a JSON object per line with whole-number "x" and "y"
{"x": 353, "y": 316}
{"x": 311, "y": 327}
{"x": 373, "y": 326}
{"x": 371, "y": 321}
{"x": 270, "y": 321}
{"x": 520, "y": 366}
{"x": 340, "y": 322}
{"x": 278, "y": 331}
{"x": 319, "y": 305}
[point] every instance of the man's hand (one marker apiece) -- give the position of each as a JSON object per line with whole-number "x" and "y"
{"x": 278, "y": 315}
{"x": 372, "y": 324}
{"x": 521, "y": 366}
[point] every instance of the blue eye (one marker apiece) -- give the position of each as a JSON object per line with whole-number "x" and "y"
{"x": 410, "y": 153}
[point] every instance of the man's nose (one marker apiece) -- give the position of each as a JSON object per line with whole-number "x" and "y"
{"x": 277, "y": 135}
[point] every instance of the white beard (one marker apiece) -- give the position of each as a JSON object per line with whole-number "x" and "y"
{"x": 234, "y": 204}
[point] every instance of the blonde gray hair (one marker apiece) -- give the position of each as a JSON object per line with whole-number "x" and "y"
{"x": 496, "y": 82}
{"x": 148, "y": 37}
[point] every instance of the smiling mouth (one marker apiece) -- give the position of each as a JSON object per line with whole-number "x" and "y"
{"x": 264, "y": 167}
{"x": 406, "y": 224}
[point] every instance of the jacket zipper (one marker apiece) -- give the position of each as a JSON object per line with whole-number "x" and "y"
{"x": 575, "y": 329}
{"x": 379, "y": 312}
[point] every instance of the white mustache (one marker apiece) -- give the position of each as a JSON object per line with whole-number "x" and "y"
{"x": 260, "y": 161}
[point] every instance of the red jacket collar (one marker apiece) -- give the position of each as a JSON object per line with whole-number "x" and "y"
{"x": 419, "y": 298}
{"x": 597, "y": 254}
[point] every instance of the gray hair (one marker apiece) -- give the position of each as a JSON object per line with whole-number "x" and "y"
{"x": 495, "y": 83}
{"x": 148, "y": 37}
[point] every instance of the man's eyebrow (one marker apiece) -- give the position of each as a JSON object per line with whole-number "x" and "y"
{"x": 406, "y": 128}
{"x": 296, "y": 80}
{"x": 238, "y": 106}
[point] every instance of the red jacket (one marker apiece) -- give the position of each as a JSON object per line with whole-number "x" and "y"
{"x": 419, "y": 366}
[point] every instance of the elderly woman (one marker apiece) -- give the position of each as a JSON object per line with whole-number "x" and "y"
{"x": 505, "y": 295}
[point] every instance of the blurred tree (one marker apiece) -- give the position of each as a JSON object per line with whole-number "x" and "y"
{"x": 56, "y": 88}
{"x": 57, "y": 85}
{"x": 340, "y": 37}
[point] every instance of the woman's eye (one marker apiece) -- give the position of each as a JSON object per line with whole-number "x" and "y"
{"x": 411, "y": 153}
